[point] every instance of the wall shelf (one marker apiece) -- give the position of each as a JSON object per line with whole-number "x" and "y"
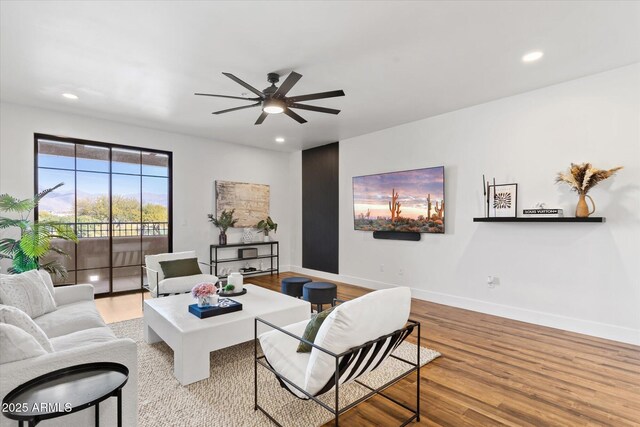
{"x": 546, "y": 219}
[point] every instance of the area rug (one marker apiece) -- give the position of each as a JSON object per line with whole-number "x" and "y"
{"x": 226, "y": 397}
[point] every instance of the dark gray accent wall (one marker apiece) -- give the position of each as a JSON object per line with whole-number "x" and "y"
{"x": 320, "y": 208}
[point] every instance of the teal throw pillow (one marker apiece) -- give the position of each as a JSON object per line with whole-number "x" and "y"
{"x": 312, "y": 329}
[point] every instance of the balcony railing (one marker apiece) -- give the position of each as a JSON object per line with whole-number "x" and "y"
{"x": 120, "y": 229}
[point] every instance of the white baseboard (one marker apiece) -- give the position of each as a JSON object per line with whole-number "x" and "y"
{"x": 587, "y": 327}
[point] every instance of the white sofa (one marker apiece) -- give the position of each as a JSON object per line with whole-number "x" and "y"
{"x": 78, "y": 335}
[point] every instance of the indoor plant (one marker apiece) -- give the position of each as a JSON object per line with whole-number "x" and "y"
{"x": 266, "y": 226}
{"x": 582, "y": 178}
{"x": 35, "y": 236}
{"x": 223, "y": 223}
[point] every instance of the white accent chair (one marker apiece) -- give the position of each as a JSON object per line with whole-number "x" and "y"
{"x": 356, "y": 338}
{"x": 157, "y": 285}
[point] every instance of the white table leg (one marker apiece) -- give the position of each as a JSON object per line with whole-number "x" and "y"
{"x": 190, "y": 366}
{"x": 150, "y": 336}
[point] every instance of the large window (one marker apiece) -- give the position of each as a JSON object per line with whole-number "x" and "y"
{"x": 118, "y": 199}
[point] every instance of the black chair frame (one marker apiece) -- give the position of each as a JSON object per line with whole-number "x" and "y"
{"x": 336, "y": 410}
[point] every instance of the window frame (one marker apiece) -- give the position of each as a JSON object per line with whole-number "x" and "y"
{"x": 42, "y": 136}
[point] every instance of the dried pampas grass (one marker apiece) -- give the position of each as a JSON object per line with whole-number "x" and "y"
{"x": 583, "y": 177}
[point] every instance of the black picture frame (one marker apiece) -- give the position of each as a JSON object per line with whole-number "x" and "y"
{"x": 502, "y": 200}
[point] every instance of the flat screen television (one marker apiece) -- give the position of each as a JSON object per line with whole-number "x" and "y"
{"x": 406, "y": 201}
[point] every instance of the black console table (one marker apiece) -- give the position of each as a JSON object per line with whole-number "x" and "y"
{"x": 65, "y": 391}
{"x": 273, "y": 256}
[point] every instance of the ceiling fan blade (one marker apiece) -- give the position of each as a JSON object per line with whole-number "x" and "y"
{"x": 227, "y": 96}
{"x": 286, "y": 86}
{"x": 321, "y": 95}
{"x": 294, "y": 116}
{"x": 237, "y": 108}
{"x": 246, "y": 85}
{"x": 261, "y": 118}
{"x": 314, "y": 108}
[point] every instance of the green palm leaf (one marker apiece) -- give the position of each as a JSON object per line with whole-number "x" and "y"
{"x": 36, "y": 241}
{"x": 23, "y": 262}
{"x": 8, "y": 247}
{"x": 40, "y": 195}
{"x": 36, "y": 237}
{"x": 10, "y": 222}
{"x": 61, "y": 231}
{"x": 55, "y": 268}
{"x": 12, "y": 204}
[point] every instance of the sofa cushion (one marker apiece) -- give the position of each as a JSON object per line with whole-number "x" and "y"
{"x": 48, "y": 281}
{"x": 70, "y": 318}
{"x": 353, "y": 323}
{"x": 180, "y": 267}
{"x": 17, "y": 344}
{"x": 28, "y": 292}
{"x": 176, "y": 285}
{"x": 152, "y": 262}
{"x": 16, "y": 317}
{"x": 83, "y": 337}
{"x": 280, "y": 351}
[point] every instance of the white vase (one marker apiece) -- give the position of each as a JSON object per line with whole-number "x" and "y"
{"x": 235, "y": 279}
{"x": 267, "y": 238}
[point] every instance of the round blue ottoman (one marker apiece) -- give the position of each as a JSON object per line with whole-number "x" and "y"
{"x": 319, "y": 293}
{"x": 293, "y": 285}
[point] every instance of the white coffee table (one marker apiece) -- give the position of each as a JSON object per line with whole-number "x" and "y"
{"x": 192, "y": 339}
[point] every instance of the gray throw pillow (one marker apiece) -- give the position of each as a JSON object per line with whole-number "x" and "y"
{"x": 180, "y": 267}
{"x": 312, "y": 329}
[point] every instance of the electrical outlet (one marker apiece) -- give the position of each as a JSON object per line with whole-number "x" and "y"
{"x": 401, "y": 272}
{"x": 493, "y": 281}
{"x": 381, "y": 268}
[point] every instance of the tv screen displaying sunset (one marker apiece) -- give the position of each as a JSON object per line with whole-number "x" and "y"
{"x": 409, "y": 201}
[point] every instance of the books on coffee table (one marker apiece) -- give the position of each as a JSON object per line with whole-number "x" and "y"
{"x": 224, "y": 306}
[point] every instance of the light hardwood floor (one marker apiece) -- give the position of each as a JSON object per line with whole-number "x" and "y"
{"x": 493, "y": 371}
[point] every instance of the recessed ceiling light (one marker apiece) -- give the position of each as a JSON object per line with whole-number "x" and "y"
{"x": 280, "y": 140}
{"x": 70, "y": 96}
{"x": 532, "y": 56}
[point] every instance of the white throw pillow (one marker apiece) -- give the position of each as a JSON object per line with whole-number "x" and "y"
{"x": 28, "y": 292}
{"x": 353, "y": 323}
{"x": 16, "y": 317}
{"x": 46, "y": 278}
{"x": 17, "y": 344}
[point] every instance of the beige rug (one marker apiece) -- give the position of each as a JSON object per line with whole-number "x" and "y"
{"x": 226, "y": 398}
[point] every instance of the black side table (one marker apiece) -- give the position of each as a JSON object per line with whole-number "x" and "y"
{"x": 65, "y": 391}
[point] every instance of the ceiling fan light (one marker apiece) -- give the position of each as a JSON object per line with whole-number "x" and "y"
{"x": 273, "y": 106}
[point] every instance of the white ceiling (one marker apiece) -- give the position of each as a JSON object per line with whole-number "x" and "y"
{"x": 141, "y": 62}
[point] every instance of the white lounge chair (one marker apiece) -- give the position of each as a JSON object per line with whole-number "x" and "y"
{"x": 159, "y": 286}
{"x": 356, "y": 338}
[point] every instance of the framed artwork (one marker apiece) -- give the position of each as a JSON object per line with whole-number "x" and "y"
{"x": 250, "y": 201}
{"x": 503, "y": 200}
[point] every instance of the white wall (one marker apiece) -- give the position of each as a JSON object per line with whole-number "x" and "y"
{"x": 197, "y": 163}
{"x": 579, "y": 277}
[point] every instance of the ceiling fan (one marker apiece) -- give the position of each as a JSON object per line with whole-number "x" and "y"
{"x": 273, "y": 99}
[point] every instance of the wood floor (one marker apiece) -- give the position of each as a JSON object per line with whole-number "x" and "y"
{"x": 493, "y": 371}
